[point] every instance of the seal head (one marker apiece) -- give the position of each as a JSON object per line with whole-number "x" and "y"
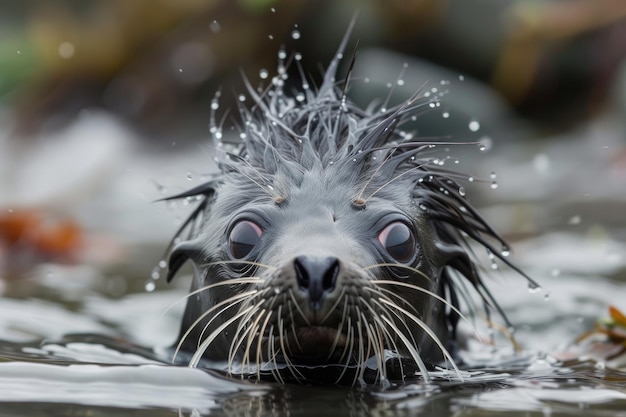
{"x": 330, "y": 238}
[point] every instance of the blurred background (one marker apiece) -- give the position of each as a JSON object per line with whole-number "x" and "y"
{"x": 104, "y": 108}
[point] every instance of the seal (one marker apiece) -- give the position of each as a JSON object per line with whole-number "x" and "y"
{"x": 329, "y": 239}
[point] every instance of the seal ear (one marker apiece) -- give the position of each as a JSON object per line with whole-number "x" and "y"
{"x": 181, "y": 253}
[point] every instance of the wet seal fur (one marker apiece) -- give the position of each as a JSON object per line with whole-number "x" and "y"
{"x": 331, "y": 246}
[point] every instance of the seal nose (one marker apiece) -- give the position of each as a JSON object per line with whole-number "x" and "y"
{"x": 316, "y": 275}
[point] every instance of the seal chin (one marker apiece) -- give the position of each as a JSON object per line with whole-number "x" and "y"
{"x": 318, "y": 342}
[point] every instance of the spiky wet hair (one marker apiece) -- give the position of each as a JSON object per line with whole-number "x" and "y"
{"x": 284, "y": 136}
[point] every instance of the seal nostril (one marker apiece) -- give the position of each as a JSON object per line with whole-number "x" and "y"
{"x": 301, "y": 272}
{"x": 330, "y": 276}
{"x": 316, "y": 275}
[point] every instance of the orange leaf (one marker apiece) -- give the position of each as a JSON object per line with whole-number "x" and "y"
{"x": 617, "y": 316}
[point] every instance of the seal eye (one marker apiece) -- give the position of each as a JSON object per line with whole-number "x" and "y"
{"x": 243, "y": 237}
{"x": 398, "y": 240}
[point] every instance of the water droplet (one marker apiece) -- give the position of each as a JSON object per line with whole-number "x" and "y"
{"x": 242, "y": 97}
{"x": 263, "y": 73}
{"x": 298, "y": 56}
{"x": 282, "y": 54}
{"x": 162, "y": 264}
{"x": 400, "y": 82}
{"x": 461, "y": 78}
{"x": 295, "y": 34}
{"x": 155, "y": 275}
{"x": 423, "y": 207}
{"x": 485, "y": 143}
{"x": 470, "y": 179}
{"x": 494, "y": 185}
{"x": 19, "y": 52}
{"x": 215, "y": 105}
{"x": 555, "y": 272}
{"x": 150, "y": 286}
{"x": 462, "y": 191}
{"x": 445, "y": 114}
{"x": 189, "y": 176}
{"x": 474, "y": 125}
{"x": 270, "y": 37}
{"x": 432, "y": 105}
{"x": 546, "y": 297}
{"x": 505, "y": 252}
{"x": 534, "y": 288}
{"x": 276, "y": 290}
{"x": 388, "y": 85}
{"x": 273, "y": 10}
{"x": 215, "y": 26}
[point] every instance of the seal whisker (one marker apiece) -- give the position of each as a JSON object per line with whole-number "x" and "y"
{"x": 331, "y": 351}
{"x": 252, "y": 334}
{"x": 245, "y": 302}
{"x": 361, "y": 358}
{"x": 377, "y": 319}
{"x": 281, "y": 339}
{"x": 239, "y": 336}
{"x": 348, "y": 348}
{"x": 293, "y": 329}
{"x": 259, "y": 351}
{"x": 332, "y": 308}
{"x": 231, "y": 301}
{"x": 295, "y": 303}
{"x": 431, "y": 294}
{"x": 237, "y": 262}
{"x": 195, "y": 359}
{"x": 429, "y": 332}
{"x": 273, "y": 355}
{"x": 401, "y": 266}
{"x": 398, "y": 316}
{"x": 377, "y": 346}
{"x": 412, "y": 350}
{"x": 234, "y": 281}
{"x": 384, "y": 292}
{"x": 387, "y": 335}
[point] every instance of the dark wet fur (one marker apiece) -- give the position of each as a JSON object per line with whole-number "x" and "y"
{"x": 364, "y": 165}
